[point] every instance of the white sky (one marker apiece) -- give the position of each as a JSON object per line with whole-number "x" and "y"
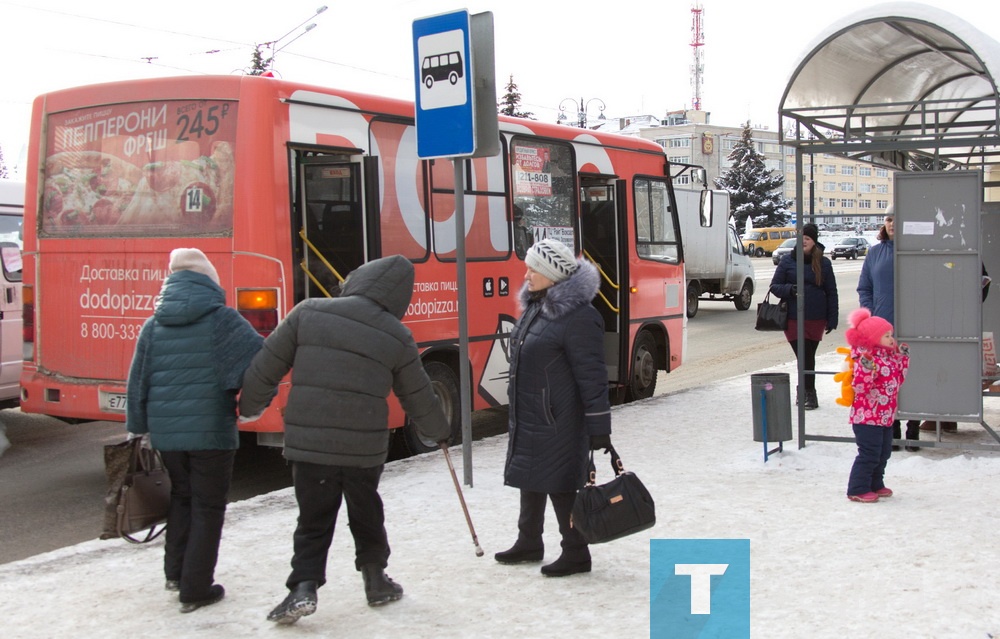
{"x": 920, "y": 564}
{"x": 635, "y": 55}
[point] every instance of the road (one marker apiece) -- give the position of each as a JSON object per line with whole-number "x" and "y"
{"x": 52, "y": 478}
{"x": 722, "y": 342}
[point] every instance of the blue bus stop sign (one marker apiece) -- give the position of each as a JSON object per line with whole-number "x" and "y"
{"x": 443, "y": 72}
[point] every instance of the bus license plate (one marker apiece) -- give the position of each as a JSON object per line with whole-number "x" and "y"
{"x": 113, "y": 402}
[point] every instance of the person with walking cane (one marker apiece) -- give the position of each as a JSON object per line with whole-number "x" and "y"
{"x": 559, "y": 408}
{"x": 346, "y": 354}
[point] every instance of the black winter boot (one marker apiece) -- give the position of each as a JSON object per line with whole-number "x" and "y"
{"x": 215, "y": 595}
{"x": 300, "y": 602}
{"x": 378, "y": 587}
{"x": 913, "y": 432}
{"x": 565, "y": 566}
{"x": 812, "y": 402}
{"x": 519, "y": 554}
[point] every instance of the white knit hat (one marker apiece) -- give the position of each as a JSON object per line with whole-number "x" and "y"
{"x": 191, "y": 259}
{"x": 551, "y": 258}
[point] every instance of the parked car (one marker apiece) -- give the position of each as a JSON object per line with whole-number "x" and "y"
{"x": 760, "y": 242}
{"x": 783, "y": 249}
{"x": 850, "y": 248}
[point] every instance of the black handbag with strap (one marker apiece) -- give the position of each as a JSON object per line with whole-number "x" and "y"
{"x": 771, "y": 317}
{"x": 621, "y": 507}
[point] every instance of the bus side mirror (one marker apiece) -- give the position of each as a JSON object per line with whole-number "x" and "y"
{"x": 699, "y": 175}
{"x": 705, "y": 209}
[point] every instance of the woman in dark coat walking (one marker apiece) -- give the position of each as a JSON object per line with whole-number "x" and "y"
{"x": 821, "y": 301}
{"x": 559, "y": 408}
{"x": 182, "y": 385}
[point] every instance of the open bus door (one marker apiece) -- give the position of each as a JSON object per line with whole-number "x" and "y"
{"x": 601, "y": 243}
{"x": 331, "y": 232}
{"x": 632, "y": 369}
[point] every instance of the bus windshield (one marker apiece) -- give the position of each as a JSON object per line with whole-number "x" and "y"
{"x": 140, "y": 169}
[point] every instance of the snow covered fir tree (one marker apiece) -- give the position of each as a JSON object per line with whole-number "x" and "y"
{"x": 510, "y": 102}
{"x": 754, "y": 191}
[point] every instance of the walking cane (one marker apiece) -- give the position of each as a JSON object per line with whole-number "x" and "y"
{"x": 458, "y": 489}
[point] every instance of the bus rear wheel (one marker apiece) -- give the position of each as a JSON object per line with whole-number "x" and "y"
{"x": 642, "y": 374}
{"x": 444, "y": 382}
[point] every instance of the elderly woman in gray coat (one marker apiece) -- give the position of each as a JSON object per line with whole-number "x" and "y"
{"x": 559, "y": 408}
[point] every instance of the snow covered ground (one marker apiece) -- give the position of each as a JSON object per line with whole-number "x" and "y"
{"x": 924, "y": 563}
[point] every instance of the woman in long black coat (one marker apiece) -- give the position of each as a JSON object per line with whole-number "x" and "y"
{"x": 559, "y": 407}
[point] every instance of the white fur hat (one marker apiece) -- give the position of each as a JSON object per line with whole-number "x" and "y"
{"x": 551, "y": 258}
{"x": 191, "y": 259}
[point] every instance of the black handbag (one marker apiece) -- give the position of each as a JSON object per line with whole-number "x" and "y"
{"x": 772, "y": 317}
{"x": 138, "y": 496}
{"x": 613, "y": 510}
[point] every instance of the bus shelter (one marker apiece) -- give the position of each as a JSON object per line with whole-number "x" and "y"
{"x": 914, "y": 89}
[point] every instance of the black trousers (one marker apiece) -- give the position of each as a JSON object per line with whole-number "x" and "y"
{"x": 198, "y": 496}
{"x": 319, "y": 490}
{"x": 531, "y": 523}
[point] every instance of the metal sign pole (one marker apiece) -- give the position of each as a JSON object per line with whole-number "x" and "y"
{"x": 463, "y": 324}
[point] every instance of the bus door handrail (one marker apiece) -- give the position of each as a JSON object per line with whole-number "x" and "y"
{"x": 314, "y": 250}
{"x": 607, "y": 279}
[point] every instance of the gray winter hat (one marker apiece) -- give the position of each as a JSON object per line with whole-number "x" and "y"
{"x": 551, "y": 258}
{"x": 191, "y": 259}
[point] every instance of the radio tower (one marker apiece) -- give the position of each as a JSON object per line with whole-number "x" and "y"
{"x": 697, "y": 42}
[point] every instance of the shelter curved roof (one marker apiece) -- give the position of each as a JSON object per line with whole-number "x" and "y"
{"x": 894, "y": 81}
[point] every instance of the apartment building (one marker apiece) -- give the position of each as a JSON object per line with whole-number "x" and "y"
{"x": 845, "y": 193}
{"x": 841, "y": 192}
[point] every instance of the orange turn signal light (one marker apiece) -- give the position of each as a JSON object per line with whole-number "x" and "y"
{"x": 256, "y": 299}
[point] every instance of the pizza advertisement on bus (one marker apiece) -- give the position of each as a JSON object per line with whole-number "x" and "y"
{"x": 140, "y": 168}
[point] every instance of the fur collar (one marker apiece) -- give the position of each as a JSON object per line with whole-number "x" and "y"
{"x": 559, "y": 299}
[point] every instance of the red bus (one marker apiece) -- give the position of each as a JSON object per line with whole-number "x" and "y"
{"x": 287, "y": 187}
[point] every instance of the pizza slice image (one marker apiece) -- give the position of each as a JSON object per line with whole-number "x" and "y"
{"x": 86, "y": 188}
{"x": 193, "y": 194}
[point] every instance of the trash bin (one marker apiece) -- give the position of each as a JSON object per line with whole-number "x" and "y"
{"x": 778, "y": 402}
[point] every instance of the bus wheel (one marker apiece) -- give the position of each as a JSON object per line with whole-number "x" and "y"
{"x": 445, "y": 385}
{"x": 692, "y": 305}
{"x": 428, "y": 82}
{"x": 642, "y": 376}
{"x": 745, "y": 297}
{"x": 759, "y": 252}
{"x": 453, "y": 77}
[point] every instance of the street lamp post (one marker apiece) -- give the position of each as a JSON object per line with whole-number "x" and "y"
{"x": 581, "y": 111}
{"x": 274, "y": 44}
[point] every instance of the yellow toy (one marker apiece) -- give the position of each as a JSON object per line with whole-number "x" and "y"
{"x": 845, "y": 378}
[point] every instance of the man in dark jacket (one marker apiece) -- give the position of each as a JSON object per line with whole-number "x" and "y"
{"x": 559, "y": 408}
{"x": 345, "y": 355}
{"x": 187, "y": 368}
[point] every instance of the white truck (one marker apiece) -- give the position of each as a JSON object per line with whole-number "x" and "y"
{"x": 11, "y": 337}
{"x": 716, "y": 266}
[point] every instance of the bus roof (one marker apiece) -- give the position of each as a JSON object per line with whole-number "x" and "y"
{"x": 231, "y": 86}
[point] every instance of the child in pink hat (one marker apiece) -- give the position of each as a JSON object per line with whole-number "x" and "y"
{"x": 880, "y": 366}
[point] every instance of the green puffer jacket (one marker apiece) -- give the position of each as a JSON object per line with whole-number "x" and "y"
{"x": 188, "y": 367}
